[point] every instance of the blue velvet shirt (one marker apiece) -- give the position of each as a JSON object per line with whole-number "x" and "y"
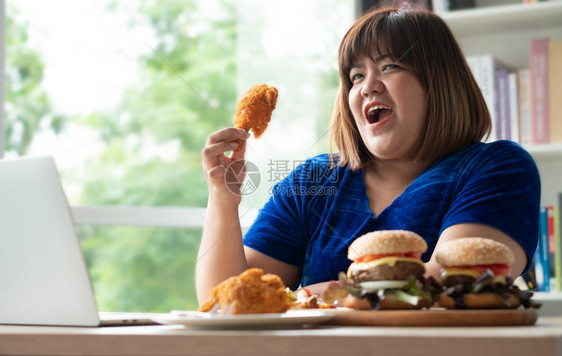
{"x": 317, "y": 211}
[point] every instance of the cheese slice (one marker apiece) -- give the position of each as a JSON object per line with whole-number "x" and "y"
{"x": 500, "y": 279}
{"x": 446, "y": 272}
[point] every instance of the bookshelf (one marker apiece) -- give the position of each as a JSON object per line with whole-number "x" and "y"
{"x": 515, "y": 17}
{"x": 505, "y": 31}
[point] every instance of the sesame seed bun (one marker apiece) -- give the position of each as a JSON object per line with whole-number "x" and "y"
{"x": 470, "y": 251}
{"x": 386, "y": 241}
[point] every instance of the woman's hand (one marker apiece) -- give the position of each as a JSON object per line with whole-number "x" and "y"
{"x": 225, "y": 174}
{"x": 222, "y": 234}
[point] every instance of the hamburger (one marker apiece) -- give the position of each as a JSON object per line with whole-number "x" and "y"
{"x": 475, "y": 273}
{"x": 387, "y": 272}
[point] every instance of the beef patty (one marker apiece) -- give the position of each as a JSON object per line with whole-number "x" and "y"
{"x": 400, "y": 271}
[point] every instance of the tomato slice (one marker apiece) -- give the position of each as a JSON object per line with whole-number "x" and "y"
{"x": 498, "y": 269}
{"x": 373, "y": 257}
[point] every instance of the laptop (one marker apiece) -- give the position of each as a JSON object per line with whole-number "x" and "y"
{"x": 43, "y": 275}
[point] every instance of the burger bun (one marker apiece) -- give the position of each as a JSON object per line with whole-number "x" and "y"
{"x": 472, "y": 251}
{"x": 354, "y": 302}
{"x": 481, "y": 301}
{"x": 389, "y": 303}
{"x": 385, "y": 242}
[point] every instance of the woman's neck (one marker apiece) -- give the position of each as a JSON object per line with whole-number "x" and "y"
{"x": 386, "y": 180}
{"x": 396, "y": 172}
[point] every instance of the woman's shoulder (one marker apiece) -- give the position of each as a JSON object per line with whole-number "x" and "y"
{"x": 503, "y": 145}
{"x": 502, "y": 156}
{"x": 497, "y": 151}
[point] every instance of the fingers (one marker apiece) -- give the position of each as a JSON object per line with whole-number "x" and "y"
{"x": 216, "y": 173}
{"x": 213, "y": 155}
{"x": 229, "y": 134}
{"x": 218, "y": 143}
{"x": 239, "y": 152}
{"x": 221, "y": 185}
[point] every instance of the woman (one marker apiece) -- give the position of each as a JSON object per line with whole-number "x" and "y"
{"x": 408, "y": 124}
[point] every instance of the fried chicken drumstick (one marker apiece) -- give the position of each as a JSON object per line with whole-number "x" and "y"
{"x": 252, "y": 292}
{"x": 254, "y": 109}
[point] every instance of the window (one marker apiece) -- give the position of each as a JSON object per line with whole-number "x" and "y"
{"x": 124, "y": 93}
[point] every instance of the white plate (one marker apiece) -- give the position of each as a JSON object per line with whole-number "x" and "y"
{"x": 292, "y": 318}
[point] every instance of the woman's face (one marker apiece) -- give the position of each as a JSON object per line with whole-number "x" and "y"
{"x": 389, "y": 105}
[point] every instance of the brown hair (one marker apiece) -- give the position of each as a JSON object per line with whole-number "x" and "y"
{"x": 457, "y": 115}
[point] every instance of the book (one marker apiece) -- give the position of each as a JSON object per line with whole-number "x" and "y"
{"x": 529, "y": 278}
{"x": 486, "y": 81}
{"x": 550, "y": 232}
{"x": 501, "y": 92}
{"x": 542, "y": 257}
{"x": 524, "y": 107}
{"x": 538, "y": 70}
{"x": 558, "y": 245}
{"x": 550, "y": 228}
{"x": 514, "y": 107}
{"x": 555, "y": 89}
{"x": 474, "y": 64}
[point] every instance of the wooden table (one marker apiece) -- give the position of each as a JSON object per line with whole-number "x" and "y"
{"x": 543, "y": 338}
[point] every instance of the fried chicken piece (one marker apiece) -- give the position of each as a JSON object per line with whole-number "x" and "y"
{"x": 252, "y": 292}
{"x": 254, "y": 109}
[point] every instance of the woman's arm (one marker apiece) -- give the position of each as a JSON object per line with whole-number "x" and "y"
{"x": 290, "y": 275}
{"x": 496, "y": 195}
{"x": 221, "y": 254}
{"x": 477, "y": 230}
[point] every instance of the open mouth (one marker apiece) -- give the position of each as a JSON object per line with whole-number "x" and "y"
{"x": 377, "y": 113}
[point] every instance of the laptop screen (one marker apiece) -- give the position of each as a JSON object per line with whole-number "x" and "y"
{"x": 43, "y": 275}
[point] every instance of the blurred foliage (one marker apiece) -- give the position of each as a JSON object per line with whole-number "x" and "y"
{"x": 153, "y": 139}
{"x": 141, "y": 269}
{"x": 187, "y": 84}
{"x": 27, "y": 106}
